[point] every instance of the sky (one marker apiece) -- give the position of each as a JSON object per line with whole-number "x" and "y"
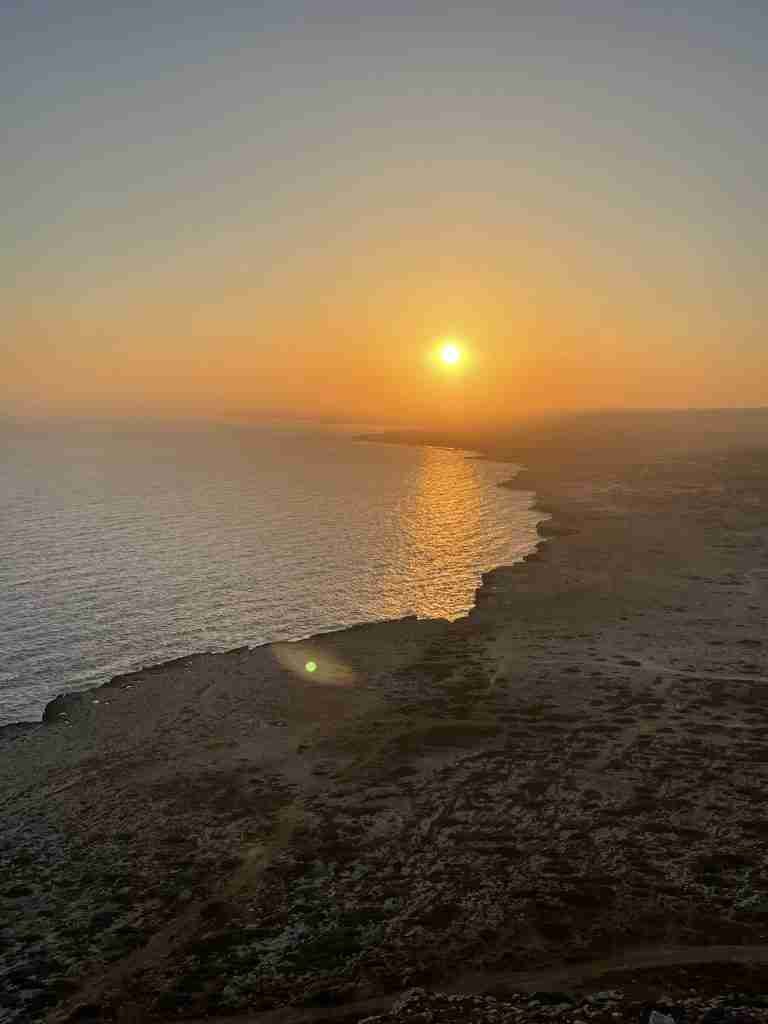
{"x": 246, "y": 211}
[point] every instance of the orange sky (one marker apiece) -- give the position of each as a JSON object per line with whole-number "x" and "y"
{"x": 310, "y": 347}
{"x": 281, "y": 216}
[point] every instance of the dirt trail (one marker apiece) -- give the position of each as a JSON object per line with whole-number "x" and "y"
{"x": 580, "y": 979}
{"x": 588, "y": 975}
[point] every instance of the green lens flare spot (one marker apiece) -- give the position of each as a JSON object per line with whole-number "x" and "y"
{"x": 311, "y": 666}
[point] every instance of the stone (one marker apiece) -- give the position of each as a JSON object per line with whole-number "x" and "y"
{"x": 604, "y": 997}
{"x": 660, "y": 1018}
{"x": 69, "y": 705}
{"x": 661, "y": 1013}
{"x": 411, "y": 995}
{"x": 721, "y": 1015}
{"x": 744, "y": 999}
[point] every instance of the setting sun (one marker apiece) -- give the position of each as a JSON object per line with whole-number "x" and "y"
{"x": 450, "y": 353}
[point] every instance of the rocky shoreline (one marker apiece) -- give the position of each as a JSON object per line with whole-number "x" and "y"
{"x": 573, "y": 773}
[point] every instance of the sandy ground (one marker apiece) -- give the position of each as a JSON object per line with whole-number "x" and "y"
{"x": 564, "y": 791}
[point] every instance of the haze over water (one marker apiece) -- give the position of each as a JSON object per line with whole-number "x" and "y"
{"x": 129, "y": 548}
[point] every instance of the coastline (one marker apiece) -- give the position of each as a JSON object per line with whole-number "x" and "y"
{"x": 571, "y": 774}
{"x": 10, "y": 730}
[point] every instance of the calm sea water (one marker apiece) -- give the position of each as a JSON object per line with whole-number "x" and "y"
{"x": 125, "y": 548}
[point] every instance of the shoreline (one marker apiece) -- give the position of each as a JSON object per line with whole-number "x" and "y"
{"x": 15, "y": 728}
{"x": 571, "y": 774}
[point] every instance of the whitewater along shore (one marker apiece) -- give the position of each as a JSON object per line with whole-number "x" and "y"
{"x": 565, "y": 790}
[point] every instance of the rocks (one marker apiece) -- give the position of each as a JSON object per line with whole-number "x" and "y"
{"x": 723, "y": 1015}
{"x": 662, "y": 1014}
{"x": 420, "y": 1005}
{"x": 602, "y": 998}
{"x": 66, "y": 705}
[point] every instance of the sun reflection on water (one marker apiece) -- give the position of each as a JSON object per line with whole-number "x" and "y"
{"x": 441, "y": 521}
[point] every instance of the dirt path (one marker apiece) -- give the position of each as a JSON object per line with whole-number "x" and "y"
{"x": 580, "y": 979}
{"x": 588, "y": 975}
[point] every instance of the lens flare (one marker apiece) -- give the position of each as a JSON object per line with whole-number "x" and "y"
{"x": 307, "y": 660}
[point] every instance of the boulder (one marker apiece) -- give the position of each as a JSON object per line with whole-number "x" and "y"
{"x": 661, "y": 1013}
{"x": 66, "y": 705}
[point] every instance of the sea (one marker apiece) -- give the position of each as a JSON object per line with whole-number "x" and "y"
{"x": 124, "y": 546}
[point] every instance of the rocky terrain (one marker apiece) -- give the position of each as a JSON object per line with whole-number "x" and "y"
{"x": 569, "y": 782}
{"x": 603, "y": 1007}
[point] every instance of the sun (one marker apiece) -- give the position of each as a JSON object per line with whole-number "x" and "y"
{"x": 450, "y": 353}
